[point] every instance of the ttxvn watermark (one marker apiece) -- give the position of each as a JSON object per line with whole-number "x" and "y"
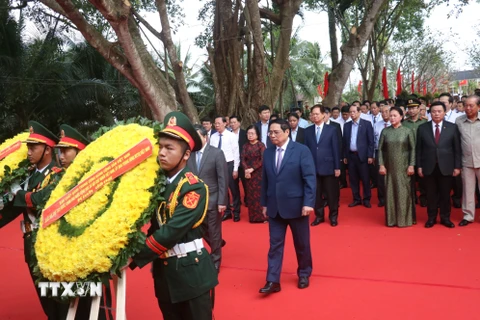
{"x": 70, "y": 289}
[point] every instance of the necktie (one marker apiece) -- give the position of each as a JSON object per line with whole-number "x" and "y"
{"x": 385, "y": 125}
{"x": 437, "y": 134}
{"x": 220, "y": 141}
{"x": 374, "y": 119}
{"x": 199, "y": 159}
{"x": 319, "y": 132}
{"x": 279, "y": 159}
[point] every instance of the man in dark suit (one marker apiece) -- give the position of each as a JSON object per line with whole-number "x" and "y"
{"x": 288, "y": 197}
{"x": 358, "y": 146}
{"x": 297, "y": 134}
{"x": 263, "y": 124}
{"x": 235, "y": 125}
{"x": 322, "y": 140}
{"x": 438, "y": 159}
{"x": 208, "y": 125}
{"x": 209, "y": 164}
{"x": 338, "y": 127}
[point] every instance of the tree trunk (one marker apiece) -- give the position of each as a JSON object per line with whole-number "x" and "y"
{"x": 332, "y": 28}
{"x": 177, "y": 65}
{"x": 350, "y": 51}
{"x": 288, "y": 10}
{"x": 128, "y": 55}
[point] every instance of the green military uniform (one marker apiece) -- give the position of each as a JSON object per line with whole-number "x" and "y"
{"x": 35, "y": 192}
{"x": 413, "y": 125}
{"x": 182, "y": 281}
{"x": 71, "y": 138}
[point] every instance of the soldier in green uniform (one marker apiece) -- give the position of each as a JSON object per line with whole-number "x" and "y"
{"x": 32, "y": 193}
{"x": 413, "y": 122}
{"x": 71, "y": 143}
{"x": 183, "y": 272}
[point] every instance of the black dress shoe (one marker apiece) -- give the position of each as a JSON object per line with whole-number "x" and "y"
{"x": 333, "y": 223}
{"x": 381, "y": 204}
{"x": 270, "y": 287}
{"x": 464, "y": 222}
{"x": 354, "y": 204}
{"x": 303, "y": 282}
{"x": 223, "y": 243}
{"x": 414, "y": 221}
{"x": 367, "y": 204}
{"x": 342, "y": 186}
{"x": 317, "y": 221}
{"x": 236, "y": 219}
{"x": 430, "y": 223}
{"x": 226, "y": 217}
{"x": 447, "y": 223}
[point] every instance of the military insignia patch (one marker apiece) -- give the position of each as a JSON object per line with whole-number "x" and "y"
{"x": 190, "y": 200}
{"x": 172, "y": 121}
{"x": 192, "y": 179}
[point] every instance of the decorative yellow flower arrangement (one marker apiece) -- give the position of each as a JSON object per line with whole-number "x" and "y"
{"x": 96, "y": 237}
{"x": 14, "y": 159}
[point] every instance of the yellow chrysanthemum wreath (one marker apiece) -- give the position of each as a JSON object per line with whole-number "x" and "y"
{"x": 15, "y": 165}
{"x": 96, "y": 237}
{"x": 14, "y": 159}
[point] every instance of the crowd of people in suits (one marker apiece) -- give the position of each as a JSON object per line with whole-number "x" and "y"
{"x": 412, "y": 151}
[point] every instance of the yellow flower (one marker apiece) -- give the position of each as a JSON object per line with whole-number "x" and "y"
{"x": 63, "y": 257}
{"x": 14, "y": 158}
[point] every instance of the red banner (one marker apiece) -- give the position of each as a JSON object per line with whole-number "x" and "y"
{"x": 399, "y": 83}
{"x": 359, "y": 88}
{"x": 413, "y": 82}
{"x": 385, "y": 83}
{"x": 325, "y": 84}
{"x": 463, "y": 83}
{"x": 96, "y": 181}
{"x": 319, "y": 90}
{"x": 10, "y": 149}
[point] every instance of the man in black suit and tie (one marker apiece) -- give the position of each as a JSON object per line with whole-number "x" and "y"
{"x": 358, "y": 146}
{"x": 438, "y": 159}
{"x": 297, "y": 134}
{"x": 322, "y": 140}
{"x": 209, "y": 164}
{"x": 235, "y": 124}
{"x": 263, "y": 124}
{"x": 288, "y": 197}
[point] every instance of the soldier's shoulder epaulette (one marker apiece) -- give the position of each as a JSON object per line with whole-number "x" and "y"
{"x": 192, "y": 179}
{"x": 57, "y": 169}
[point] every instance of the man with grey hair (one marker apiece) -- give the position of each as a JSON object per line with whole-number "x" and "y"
{"x": 469, "y": 127}
{"x": 209, "y": 164}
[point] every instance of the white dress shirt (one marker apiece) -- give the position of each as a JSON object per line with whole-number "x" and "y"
{"x": 376, "y": 118}
{"x": 377, "y": 130}
{"x": 340, "y": 121}
{"x": 229, "y": 146}
{"x": 284, "y": 147}
{"x": 264, "y": 131}
{"x": 435, "y": 128}
{"x": 451, "y": 116}
{"x": 302, "y": 123}
{"x": 294, "y": 134}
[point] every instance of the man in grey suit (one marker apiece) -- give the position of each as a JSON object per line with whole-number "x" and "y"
{"x": 209, "y": 164}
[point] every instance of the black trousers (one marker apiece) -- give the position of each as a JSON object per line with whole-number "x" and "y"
{"x": 241, "y": 177}
{"x": 457, "y": 187}
{"x": 328, "y": 186}
{"x": 213, "y": 236}
{"x": 438, "y": 194}
{"x": 358, "y": 171}
{"x": 199, "y": 308}
{"x": 234, "y": 191}
{"x": 373, "y": 172}
{"x": 343, "y": 174}
{"x": 380, "y": 181}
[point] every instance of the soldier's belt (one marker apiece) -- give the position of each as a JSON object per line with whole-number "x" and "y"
{"x": 180, "y": 250}
{"x": 27, "y": 227}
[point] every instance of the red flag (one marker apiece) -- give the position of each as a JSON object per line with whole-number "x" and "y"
{"x": 359, "y": 88}
{"x": 384, "y": 83}
{"x": 413, "y": 81}
{"x": 399, "y": 83}
{"x": 325, "y": 84}
{"x": 434, "y": 85}
{"x": 463, "y": 83}
{"x": 319, "y": 90}
{"x": 424, "y": 88}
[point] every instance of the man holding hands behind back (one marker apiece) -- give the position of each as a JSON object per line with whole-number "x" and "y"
{"x": 288, "y": 197}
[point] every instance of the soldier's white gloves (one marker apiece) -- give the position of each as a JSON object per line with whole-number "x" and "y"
{"x": 15, "y": 187}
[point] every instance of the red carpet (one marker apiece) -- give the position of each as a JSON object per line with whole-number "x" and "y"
{"x": 362, "y": 270}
